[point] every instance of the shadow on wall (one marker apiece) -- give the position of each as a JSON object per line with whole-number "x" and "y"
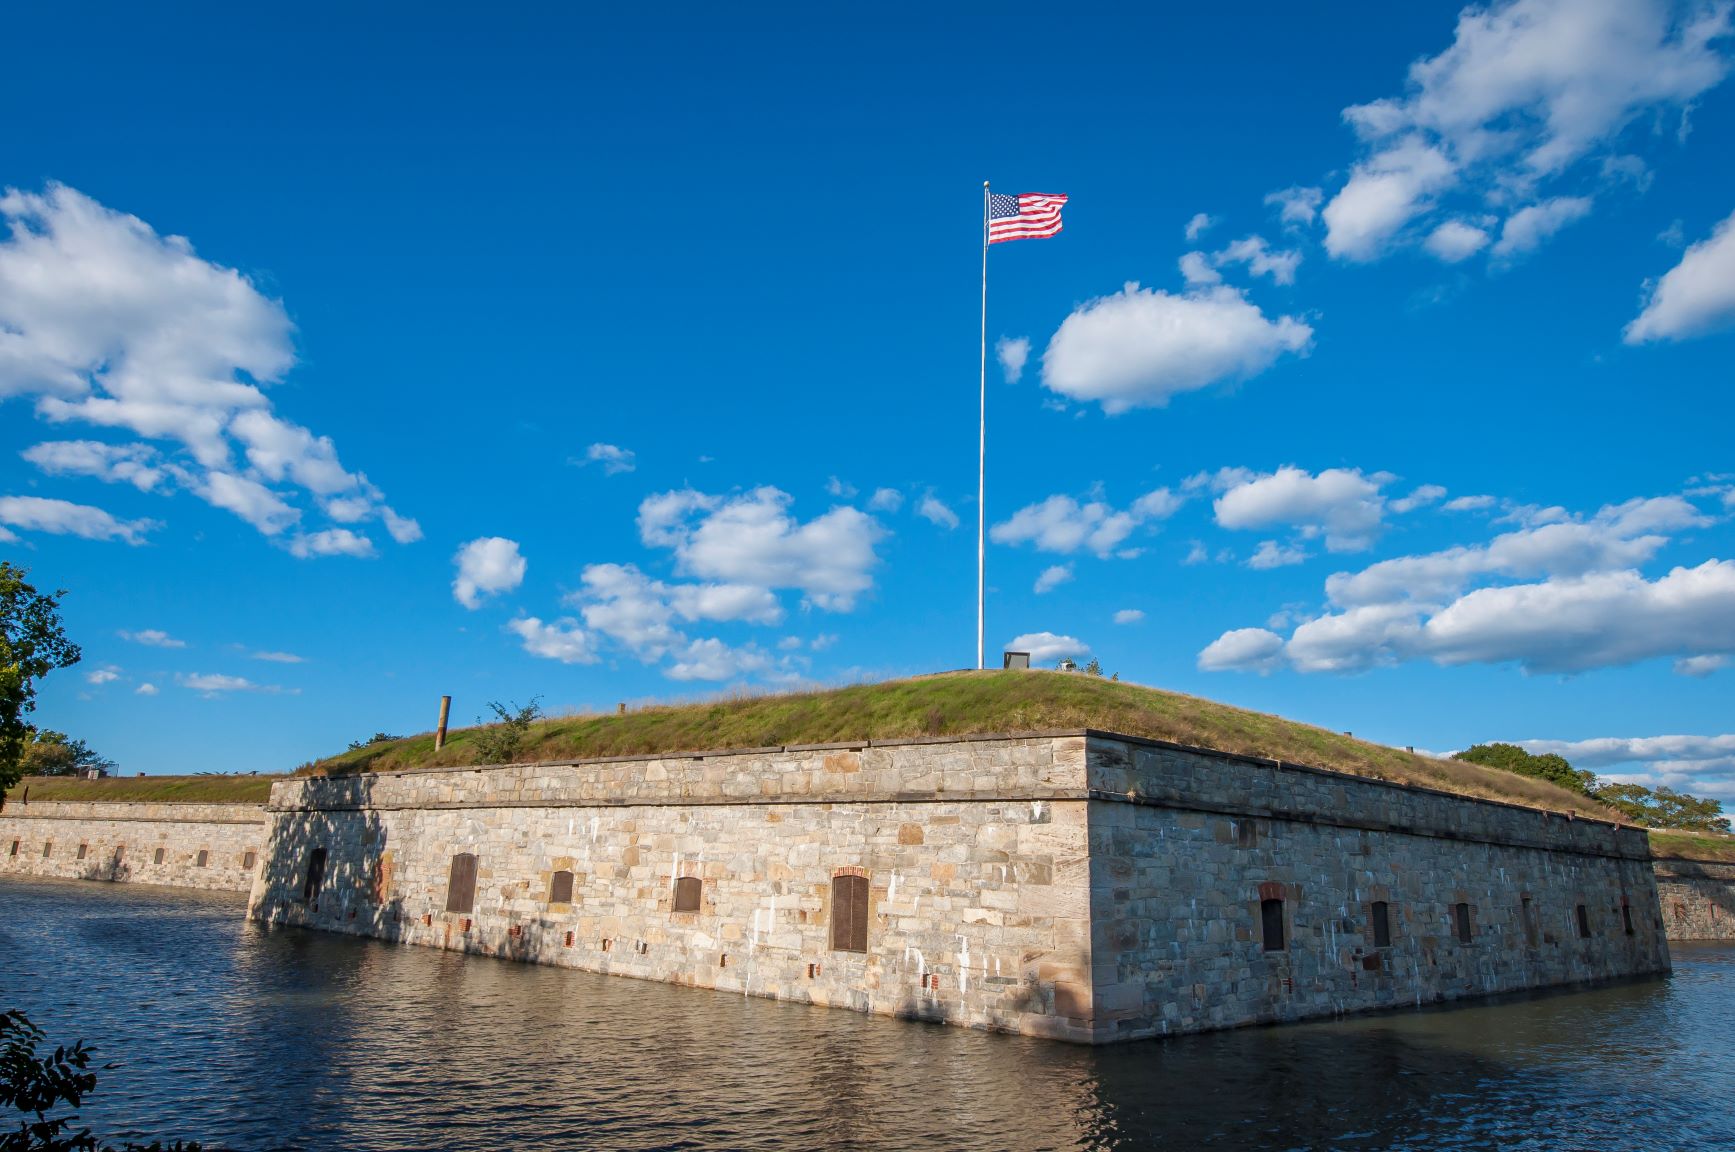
{"x": 330, "y": 868}
{"x": 113, "y": 866}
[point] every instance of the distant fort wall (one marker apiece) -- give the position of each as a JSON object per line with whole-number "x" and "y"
{"x": 1698, "y": 899}
{"x": 213, "y": 846}
{"x": 1078, "y": 885}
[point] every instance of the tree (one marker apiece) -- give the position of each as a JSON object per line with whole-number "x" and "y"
{"x": 38, "y": 1085}
{"x": 32, "y": 644}
{"x": 1512, "y": 758}
{"x": 1664, "y": 808}
{"x": 50, "y": 753}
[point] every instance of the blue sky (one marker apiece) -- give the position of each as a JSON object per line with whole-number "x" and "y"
{"x": 1380, "y": 377}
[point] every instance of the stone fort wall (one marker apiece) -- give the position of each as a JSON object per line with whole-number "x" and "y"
{"x": 1076, "y": 885}
{"x": 1187, "y": 849}
{"x": 214, "y": 846}
{"x": 1698, "y": 899}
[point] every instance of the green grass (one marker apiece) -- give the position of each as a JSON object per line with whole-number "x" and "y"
{"x": 1693, "y": 846}
{"x": 148, "y": 789}
{"x": 967, "y": 703}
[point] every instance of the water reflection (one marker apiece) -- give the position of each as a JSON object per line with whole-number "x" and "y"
{"x": 228, "y": 1032}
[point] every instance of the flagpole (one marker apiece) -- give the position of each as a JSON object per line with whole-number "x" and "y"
{"x": 982, "y": 446}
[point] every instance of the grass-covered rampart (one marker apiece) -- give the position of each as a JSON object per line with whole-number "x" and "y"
{"x": 147, "y": 789}
{"x": 965, "y": 704}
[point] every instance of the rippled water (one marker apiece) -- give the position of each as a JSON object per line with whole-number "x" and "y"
{"x": 229, "y": 1033}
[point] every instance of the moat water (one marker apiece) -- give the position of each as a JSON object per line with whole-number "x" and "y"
{"x": 224, "y": 1032}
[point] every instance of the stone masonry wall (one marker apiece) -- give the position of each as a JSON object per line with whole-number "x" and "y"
{"x": 1698, "y": 899}
{"x": 146, "y": 843}
{"x": 1186, "y": 847}
{"x": 1074, "y": 885}
{"x": 973, "y": 851}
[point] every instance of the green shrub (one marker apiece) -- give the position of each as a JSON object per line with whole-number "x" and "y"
{"x": 499, "y": 742}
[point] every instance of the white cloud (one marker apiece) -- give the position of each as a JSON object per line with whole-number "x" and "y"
{"x": 1579, "y": 602}
{"x": 1197, "y": 554}
{"x": 1062, "y": 524}
{"x": 1197, "y": 269}
{"x": 1606, "y": 751}
{"x": 1140, "y": 346}
{"x": 712, "y": 659}
{"x": 280, "y": 657}
{"x": 1525, "y": 91}
{"x": 1605, "y": 619}
{"x": 1696, "y": 296}
{"x": 62, "y": 518}
{"x": 1053, "y": 577}
{"x": 1423, "y": 496}
{"x": 486, "y": 565}
{"x": 1271, "y": 554}
{"x": 933, "y": 510}
{"x": 105, "y": 322}
{"x": 153, "y": 638}
{"x": 1526, "y": 229}
{"x": 146, "y": 689}
{"x": 1455, "y": 241}
{"x": 886, "y": 500}
{"x": 1617, "y": 536}
{"x": 331, "y": 542}
{"x": 1261, "y": 259}
{"x": 1012, "y": 353}
{"x": 107, "y": 674}
{"x": 752, "y": 539}
{"x": 1699, "y": 666}
{"x": 1046, "y": 647}
{"x": 562, "y": 640}
{"x": 247, "y": 498}
{"x": 842, "y": 489}
{"x": 135, "y": 464}
{"x": 1198, "y": 226}
{"x": 1296, "y": 206}
{"x": 1244, "y": 649}
{"x": 613, "y": 458}
{"x": 212, "y": 684}
{"x": 1384, "y": 193}
{"x": 619, "y": 601}
{"x": 1341, "y": 504}
{"x": 1469, "y": 504}
{"x": 1128, "y": 616}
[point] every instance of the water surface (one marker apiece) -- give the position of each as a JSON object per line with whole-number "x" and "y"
{"x": 254, "y": 1038}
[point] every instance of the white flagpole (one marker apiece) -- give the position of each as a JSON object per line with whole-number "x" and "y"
{"x": 982, "y": 446}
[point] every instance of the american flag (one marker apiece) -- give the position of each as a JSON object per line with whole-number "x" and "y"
{"x": 1027, "y": 216}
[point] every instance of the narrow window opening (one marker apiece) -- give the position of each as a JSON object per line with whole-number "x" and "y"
{"x": 158, "y": 858}
{"x": 47, "y": 849}
{"x": 849, "y": 913}
{"x": 1528, "y": 915}
{"x": 82, "y": 850}
{"x": 15, "y": 844}
{"x": 248, "y": 859}
{"x": 1627, "y": 918}
{"x": 120, "y": 851}
{"x": 1271, "y": 924}
{"x": 560, "y": 888}
{"x": 687, "y": 890}
{"x": 1583, "y": 923}
{"x": 204, "y": 858}
{"x": 1463, "y": 916}
{"x": 1382, "y": 925}
{"x": 315, "y": 874}
{"x": 461, "y": 884}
